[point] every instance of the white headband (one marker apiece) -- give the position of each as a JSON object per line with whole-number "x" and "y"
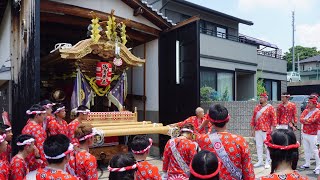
{"x": 59, "y": 109}
{"x": 288, "y": 95}
{"x": 83, "y": 111}
{"x": 2, "y": 137}
{"x": 144, "y": 150}
{"x": 94, "y": 132}
{"x": 48, "y": 105}
{"x": 8, "y": 129}
{"x": 26, "y": 142}
{"x": 70, "y": 149}
{"x": 186, "y": 130}
{"x": 35, "y": 112}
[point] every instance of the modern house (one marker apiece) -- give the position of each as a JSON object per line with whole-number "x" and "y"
{"x": 230, "y": 62}
{"x": 309, "y": 68}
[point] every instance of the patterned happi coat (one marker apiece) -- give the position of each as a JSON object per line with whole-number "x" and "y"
{"x": 186, "y": 148}
{"x": 147, "y": 171}
{"x": 238, "y": 151}
{"x": 83, "y": 164}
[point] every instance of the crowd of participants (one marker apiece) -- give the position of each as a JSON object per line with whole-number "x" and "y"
{"x": 50, "y": 148}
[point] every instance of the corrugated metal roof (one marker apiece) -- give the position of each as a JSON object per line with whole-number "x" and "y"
{"x": 158, "y": 13}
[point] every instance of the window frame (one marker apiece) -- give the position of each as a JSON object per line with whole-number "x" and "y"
{"x": 278, "y": 89}
{"x": 216, "y": 70}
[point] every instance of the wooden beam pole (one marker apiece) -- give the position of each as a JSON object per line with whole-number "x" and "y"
{"x": 183, "y": 23}
{"x": 138, "y": 11}
{"x": 62, "y": 19}
{"x": 66, "y": 9}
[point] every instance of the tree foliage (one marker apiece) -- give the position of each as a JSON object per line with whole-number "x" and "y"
{"x": 260, "y": 87}
{"x": 205, "y": 93}
{"x": 304, "y": 52}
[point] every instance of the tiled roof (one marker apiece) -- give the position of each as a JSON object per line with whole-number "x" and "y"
{"x": 158, "y": 13}
{"x": 311, "y": 59}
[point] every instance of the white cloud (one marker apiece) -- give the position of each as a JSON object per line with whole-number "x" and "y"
{"x": 284, "y": 5}
{"x": 308, "y": 35}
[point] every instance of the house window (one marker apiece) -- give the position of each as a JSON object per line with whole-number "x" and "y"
{"x": 210, "y": 28}
{"x": 208, "y": 78}
{"x": 221, "y": 32}
{"x": 219, "y": 82}
{"x": 225, "y": 85}
{"x": 202, "y": 26}
{"x": 213, "y": 29}
{"x": 273, "y": 89}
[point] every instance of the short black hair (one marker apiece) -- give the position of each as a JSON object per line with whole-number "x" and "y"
{"x": 45, "y": 102}
{"x": 119, "y": 161}
{"x": 22, "y": 138}
{"x": 3, "y": 127}
{"x": 218, "y": 112}
{"x": 205, "y": 163}
{"x": 54, "y": 146}
{"x": 81, "y": 108}
{"x": 139, "y": 142}
{"x": 57, "y": 106}
{"x": 35, "y": 107}
{"x": 283, "y": 137}
{"x": 285, "y": 93}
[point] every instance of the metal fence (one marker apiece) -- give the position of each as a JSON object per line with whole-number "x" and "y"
{"x": 241, "y": 114}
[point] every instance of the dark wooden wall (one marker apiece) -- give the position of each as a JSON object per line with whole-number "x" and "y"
{"x": 26, "y": 61}
{"x": 179, "y": 101}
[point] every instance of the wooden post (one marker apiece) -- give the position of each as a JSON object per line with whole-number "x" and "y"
{"x": 144, "y": 83}
{"x": 25, "y": 50}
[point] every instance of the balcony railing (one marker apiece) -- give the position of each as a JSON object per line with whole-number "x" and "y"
{"x": 219, "y": 34}
{"x": 274, "y": 53}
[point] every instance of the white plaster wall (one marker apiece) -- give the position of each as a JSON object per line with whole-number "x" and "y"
{"x": 5, "y": 28}
{"x": 152, "y": 76}
{"x": 137, "y": 73}
{"x": 121, "y": 9}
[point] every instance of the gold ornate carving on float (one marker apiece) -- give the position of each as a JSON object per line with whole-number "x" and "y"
{"x": 109, "y": 44}
{"x": 103, "y": 48}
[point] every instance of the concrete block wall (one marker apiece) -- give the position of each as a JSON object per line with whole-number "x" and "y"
{"x": 241, "y": 114}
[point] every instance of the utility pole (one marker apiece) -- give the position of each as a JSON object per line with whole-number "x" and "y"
{"x": 293, "y": 29}
{"x": 299, "y": 63}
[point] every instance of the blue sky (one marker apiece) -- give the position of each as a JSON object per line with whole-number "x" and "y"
{"x": 272, "y": 19}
